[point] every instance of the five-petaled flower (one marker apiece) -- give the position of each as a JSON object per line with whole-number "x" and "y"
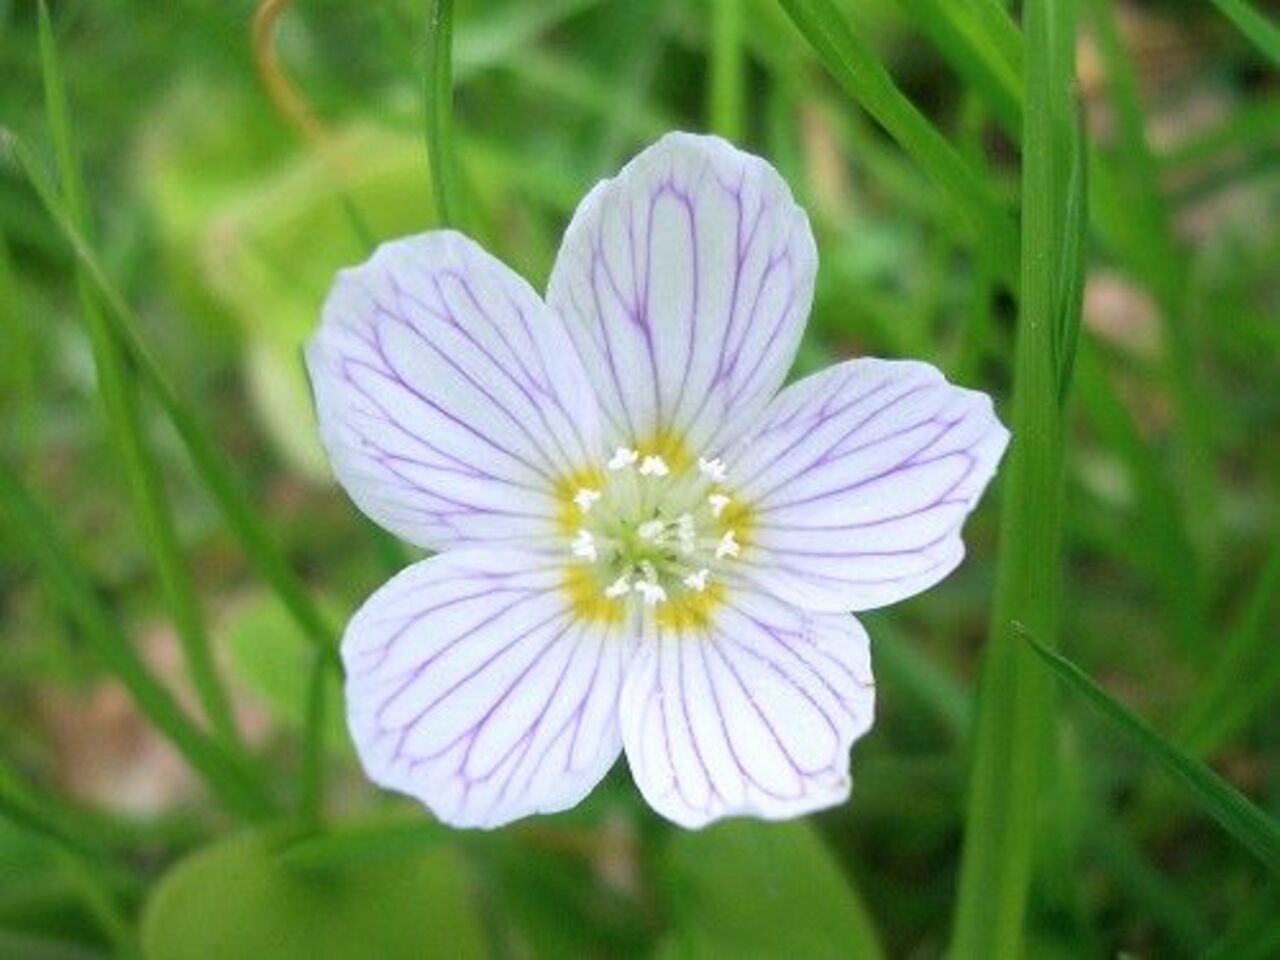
{"x": 643, "y": 545}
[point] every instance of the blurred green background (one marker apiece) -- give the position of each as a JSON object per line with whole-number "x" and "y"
{"x": 227, "y": 173}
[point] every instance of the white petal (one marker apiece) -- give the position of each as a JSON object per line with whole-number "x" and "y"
{"x": 685, "y": 283}
{"x": 450, "y": 399}
{"x": 860, "y": 478}
{"x": 472, "y": 686}
{"x": 752, "y": 715}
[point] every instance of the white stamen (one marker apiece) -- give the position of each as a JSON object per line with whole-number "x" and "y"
{"x": 718, "y": 502}
{"x": 686, "y": 531}
{"x": 622, "y": 457}
{"x": 697, "y": 581}
{"x": 620, "y": 587}
{"x": 585, "y": 498}
{"x": 584, "y": 545}
{"x": 714, "y": 469}
{"x": 652, "y": 592}
{"x": 728, "y": 546}
{"x": 652, "y": 530}
{"x": 654, "y": 467}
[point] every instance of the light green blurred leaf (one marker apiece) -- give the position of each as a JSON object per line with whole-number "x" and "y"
{"x": 746, "y": 889}
{"x": 271, "y": 654}
{"x": 237, "y": 899}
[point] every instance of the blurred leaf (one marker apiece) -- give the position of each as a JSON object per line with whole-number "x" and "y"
{"x": 746, "y": 889}
{"x": 272, "y": 655}
{"x": 236, "y": 899}
{"x": 1246, "y": 823}
{"x": 390, "y": 838}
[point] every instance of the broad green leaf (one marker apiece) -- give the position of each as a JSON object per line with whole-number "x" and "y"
{"x": 1234, "y": 812}
{"x": 237, "y": 898}
{"x": 748, "y": 889}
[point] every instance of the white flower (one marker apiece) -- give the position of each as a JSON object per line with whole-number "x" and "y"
{"x": 644, "y": 545}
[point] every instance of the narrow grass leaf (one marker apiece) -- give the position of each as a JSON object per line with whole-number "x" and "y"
{"x": 119, "y": 396}
{"x": 983, "y": 45}
{"x": 438, "y": 102}
{"x": 1260, "y": 31}
{"x": 1222, "y": 705}
{"x": 1011, "y": 741}
{"x": 210, "y": 463}
{"x": 1235, "y": 813}
{"x": 857, "y": 69}
{"x": 223, "y": 772}
{"x": 726, "y": 69}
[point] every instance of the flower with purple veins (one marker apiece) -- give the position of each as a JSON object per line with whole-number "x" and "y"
{"x": 643, "y": 544}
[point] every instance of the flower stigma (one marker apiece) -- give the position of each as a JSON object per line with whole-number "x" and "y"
{"x": 652, "y": 532}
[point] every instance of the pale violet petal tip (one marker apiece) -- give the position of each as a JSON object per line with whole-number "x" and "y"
{"x": 450, "y": 398}
{"x": 685, "y": 282}
{"x": 861, "y": 477}
{"x": 752, "y": 716}
{"x": 473, "y": 688}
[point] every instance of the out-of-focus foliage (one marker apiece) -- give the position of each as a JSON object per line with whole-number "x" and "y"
{"x": 222, "y": 216}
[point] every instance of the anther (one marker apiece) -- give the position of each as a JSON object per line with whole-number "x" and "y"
{"x": 619, "y": 588}
{"x": 652, "y": 592}
{"x": 728, "y": 546}
{"x": 718, "y": 502}
{"x": 654, "y": 467}
{"x": 622, "y": 457}
{"x": 652, "y": 530}
{"x": 585, "y": 498}
{"x": 697, "y": 581}
{"x": 686, "y": 532}
{"x": 584, "y": 545}
{"x": 714, "y": 469}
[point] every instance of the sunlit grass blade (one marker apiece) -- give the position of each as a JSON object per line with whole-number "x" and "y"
{"x": 725, "y": 98}
{"x": 227, "y": 778}
{"x": 210, "y": 463}
{"x": 438, "y": 102}
{"x": 1012, "y": 743}
{"x": 118, "y": 393}
{"x": 857, "y": 69}
{"x": 1234, "y": 812}
{"x": 1262, "y": 33}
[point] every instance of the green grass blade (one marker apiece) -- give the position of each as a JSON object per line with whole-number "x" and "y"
{"x": 983, "y": 45}
{"x": 1235, "y": 813}
{"x": 1163, "y": 550}
{"x": 438, "y": 100}
{"x": 1260, "y": 31}
{"x": 1255, "y": 934}
{"x": 726, "y": 69}
{"x": 1012, "y": 735}
{"x": 211, "y": 464}
{"x": 856, "y": 68}
{"x": 119, "y": 396}
{"x": 227, "y": 778}
{"x": 1135, "y": 217}
{"x": 18, "y": 363}
{"x": 1221, "y": 705}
